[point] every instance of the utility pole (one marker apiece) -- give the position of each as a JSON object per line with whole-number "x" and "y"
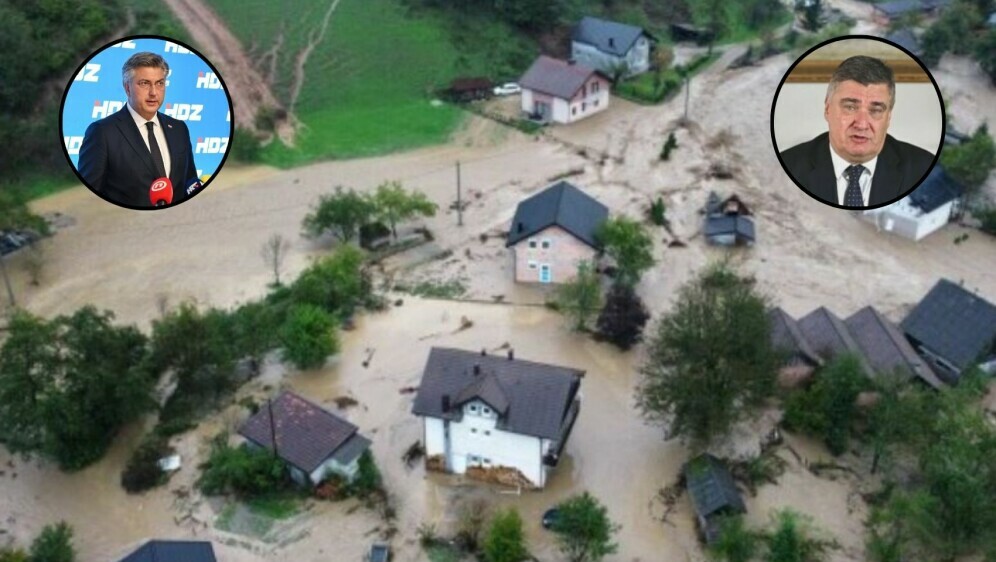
{"x": 6, "y": 281}
{"x": 688, "y": 83}
{"x": 273, "y": 427}
{"x": 459, "y": 200}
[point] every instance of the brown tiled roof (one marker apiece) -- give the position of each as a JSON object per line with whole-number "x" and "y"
{"x": 556, "y": 77}
{"x": 306, "y": 434}
{"x": 538, "y": 395}
{"x": 886, "y": 348}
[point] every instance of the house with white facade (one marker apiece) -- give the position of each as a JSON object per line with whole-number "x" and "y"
{"x": 610, "y": 46}
{"x": 552, "y": 232}
{"x": 313, "y": 442}
{"x": 929, "y": 207}
{"x": 496, "y": 417}
{"x": 562, "y": 91}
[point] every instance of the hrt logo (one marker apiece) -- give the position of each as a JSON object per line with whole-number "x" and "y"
{"x": 88, "y": 73}
{"x": 174, "y": 48}
{"x": 125, "y": 45}
{"x": 211, "y": 145}
{"x": 208, "y": 80}
{"x": 184, "y": 111}
{"x": 104, "y": 108}
{"x": 73, "y": 145}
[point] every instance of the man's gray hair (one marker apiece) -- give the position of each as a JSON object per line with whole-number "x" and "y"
{"x": 864, "y": 70}
{"x": 144, "y": 59}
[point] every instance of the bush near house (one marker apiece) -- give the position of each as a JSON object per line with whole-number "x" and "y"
{"x": 244, "y": 471}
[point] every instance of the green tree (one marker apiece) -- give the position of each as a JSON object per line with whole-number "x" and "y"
{"x": 254, "y": 327}
{"x": 669, "y": 145}
{"x": 971, "y": 162}
{"x": 308, "y": 336}
{"x": 336, "y": 283}
{"x": 623, "y": 317}
{"x": 735, "y": 543}
{"x": 505, "y": 541}
{"x": 792, "y": 540}
{"x": 581, "y": 297}
{"x": 198, "y": 346}
{"x": 393, "y": 205}
{"x": 827, "y": 409}
{"x": 13, "y": 555}
{"x": 584, "y": 530}
{"x": 67, "y": 395}
{"x": 54, "y": 544}
{"x": 241, "y": 470}
{"x": 626, "y": 241}
{"x": 948, "y": 33}
{"x": 368, "y": 479}
{"x": 813, "y": 15}
{"x": 710, "y": 362}
{"x": 896, "y": 419}
{"x": 341, "y": 213}
{"x": 985, "y": 53}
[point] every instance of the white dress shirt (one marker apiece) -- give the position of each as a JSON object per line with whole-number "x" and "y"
{"x": 157, "y": 130}
{"x": 865, "y": 181}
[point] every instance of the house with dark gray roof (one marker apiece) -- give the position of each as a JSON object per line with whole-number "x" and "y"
{"x": 728, "y": 222}
{"x": 821, "y": 335}
{"x": 928, "y": 208}
{"x": 561, "y": 91}
{"x": 906, "y": 39}
{"x": 886, "y": 349}
{"x": 886, "y": 12}
{"x": 172, "y": 551}
{"x": 713, "y": 492}
{"x": 552, "y": 232}
{"x": 953, "y": 329}
{"x": 314, "y": 442}
{"x": 496, "y": 417}
{"x": 610, "y": 46}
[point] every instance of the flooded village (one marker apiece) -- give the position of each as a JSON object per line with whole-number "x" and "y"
{"x": 464, "y": 341}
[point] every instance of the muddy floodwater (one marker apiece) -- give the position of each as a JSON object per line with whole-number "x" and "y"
{"x": 612, "y": 453}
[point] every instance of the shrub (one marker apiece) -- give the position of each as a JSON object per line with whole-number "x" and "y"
{"x": 368, "y": 479}
{"x": 241, "y": 470}
{"x": 54, "y": 544}
{"x": 670, "y": 144}
{"x": 505, "y": 541}
{"x": 142, "y": 471}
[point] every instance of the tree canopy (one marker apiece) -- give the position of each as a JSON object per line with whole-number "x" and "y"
{"x": 626, "y": 241}
{"x": 341, "y": 213}
{"x": 584, "y": 530}
{"x": 393, "y": 204}
{"x": 580, "y": 297}
{"x": 709, "y": 362}
{"x": 971, "y": 162}
{"x": 308, "y": 336}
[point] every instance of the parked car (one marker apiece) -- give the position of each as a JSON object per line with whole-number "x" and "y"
{"x": 550, "y": 518}
{"x": 508, "y": 89}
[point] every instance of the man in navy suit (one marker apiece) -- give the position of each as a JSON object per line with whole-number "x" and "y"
{"x": 124, "y": 153}
{"x": 857, "y": 164}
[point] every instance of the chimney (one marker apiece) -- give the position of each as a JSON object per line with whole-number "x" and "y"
{"x": 521, "y": 226}
{"x": 446, "y": 403}
{"x": 612, "y": 42}
{"x": 484, "y": 352}
{"x": 477, "y": 368}
{"x": 511, "y": 354}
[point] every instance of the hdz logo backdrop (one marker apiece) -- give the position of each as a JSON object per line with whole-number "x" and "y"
{"x": 194, "y": 94}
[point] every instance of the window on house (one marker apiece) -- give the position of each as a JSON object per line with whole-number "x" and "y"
{"x": 473, "y": 459}
{"x": 574, "y": 110}
{"x": 485, "y": 410}
{"x": 596, "y": 103}
{"x": 532, "y": 264}
{"x": 487, "y": 432}
{"x": 547, "y": 244}
{"x": 487, "y": 461}
{"x": 584, "y": 105}
{"x": 473, "y": 430}
{"x": 473, "y": 408}
{"x": 594, "y": 87}
{"x": 532, "y": 243}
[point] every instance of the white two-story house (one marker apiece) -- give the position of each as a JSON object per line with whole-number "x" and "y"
{"x": 610, "y": 46}
{"x": 493, "y": 413}
{"x": 563, "y": 91}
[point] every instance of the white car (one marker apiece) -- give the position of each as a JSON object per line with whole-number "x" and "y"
{"x": 508, "y": 89}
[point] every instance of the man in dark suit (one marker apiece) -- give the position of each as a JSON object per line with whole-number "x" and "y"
{"x": 124, "y": 153}
{"x": 857, "y": 164}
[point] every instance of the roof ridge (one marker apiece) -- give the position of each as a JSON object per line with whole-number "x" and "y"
{"x": 319, "y": 407}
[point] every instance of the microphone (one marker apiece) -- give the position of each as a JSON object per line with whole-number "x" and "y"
{"x": 193, "y": 186}
{"x": 161, "y": 192}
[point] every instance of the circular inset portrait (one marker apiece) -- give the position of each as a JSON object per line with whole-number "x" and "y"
{"x": 145, "y": 122}
{"x": 857, "y": 122}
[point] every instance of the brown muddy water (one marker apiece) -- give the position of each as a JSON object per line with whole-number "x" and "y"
{"x": 612, "y": 453}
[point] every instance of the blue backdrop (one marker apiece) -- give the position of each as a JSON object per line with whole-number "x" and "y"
{"x": 194, "y": 94}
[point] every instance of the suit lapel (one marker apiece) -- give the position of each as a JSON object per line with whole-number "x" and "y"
{"x": 888, "y": 176}
{"x": 821, "y": 178}
{"x": 175, "y": 141}
{"x": 130, "y": 132}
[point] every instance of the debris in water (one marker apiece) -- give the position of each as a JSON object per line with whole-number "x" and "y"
{"x": 343, "y": 402}
{"x": 413, "y": 454}
{"x": 370, "y": 354}
{"x": 676, "y": 244}
{"x": 498, "y": 298}
{"x": 465, "y": 324}
{"x": 399, "y": 302}
{"x": 407, "y": 389}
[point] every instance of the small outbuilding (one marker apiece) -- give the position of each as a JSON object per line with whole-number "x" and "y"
{"x": 713, "y": 492}
{"x": 314, "y": 442}
{"x": 469, "y": 89}
{"x": 728, "y": 222}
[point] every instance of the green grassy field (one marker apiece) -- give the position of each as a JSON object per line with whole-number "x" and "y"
{"x": 368, "y": 83}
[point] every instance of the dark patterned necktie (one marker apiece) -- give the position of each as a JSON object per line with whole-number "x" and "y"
{"x": 852, "y": 197}
{"x": 157, "y": 157}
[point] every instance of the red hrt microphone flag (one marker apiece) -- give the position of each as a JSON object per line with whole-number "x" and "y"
{"x": 161, "y": 192}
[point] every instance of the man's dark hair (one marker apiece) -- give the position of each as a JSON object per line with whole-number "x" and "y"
{"x": 864, "y": 70}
